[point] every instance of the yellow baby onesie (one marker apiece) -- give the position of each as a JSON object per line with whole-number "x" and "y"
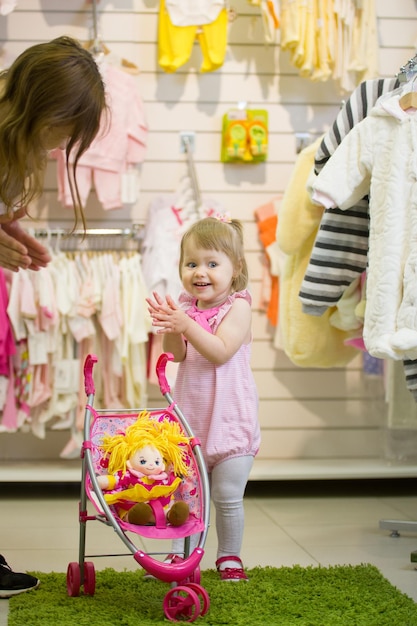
{"x": 193, "y": 12}
{"x": 324, "y": 39}
{"x": 175, "y": 43}
{"x": 289, "y": 20}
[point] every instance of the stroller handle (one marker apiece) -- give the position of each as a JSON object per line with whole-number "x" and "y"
{"x": 160, "y": 371}
{"x": 88, "y": 374}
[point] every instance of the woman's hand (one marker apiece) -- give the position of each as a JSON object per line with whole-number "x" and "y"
{"x": 19, "y": 250}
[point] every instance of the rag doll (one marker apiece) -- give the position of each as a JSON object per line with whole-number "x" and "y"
{"x": 146, "y": 465}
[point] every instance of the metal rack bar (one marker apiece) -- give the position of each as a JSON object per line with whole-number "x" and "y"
{"x": 95, "y": 21}
{"x": 187, "y": 144}
{"x": 94, "y": 239}
{"x": 134, "y": 232}
{"x": 408, "y": 70}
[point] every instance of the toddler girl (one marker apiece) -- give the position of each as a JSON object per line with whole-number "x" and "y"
{"x": 209, "y": 334}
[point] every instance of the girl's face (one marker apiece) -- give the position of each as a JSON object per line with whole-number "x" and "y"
{"x": 147, "y": 460}
{"x": 207, "y": 275}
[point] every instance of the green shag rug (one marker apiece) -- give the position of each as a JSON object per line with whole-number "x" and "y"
{"x": 286, "y": 596}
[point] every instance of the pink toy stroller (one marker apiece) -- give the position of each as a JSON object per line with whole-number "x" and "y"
{"x": 186, "y": 598}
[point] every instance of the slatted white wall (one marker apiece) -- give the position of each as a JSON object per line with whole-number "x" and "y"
{"x": 305, "y": 414}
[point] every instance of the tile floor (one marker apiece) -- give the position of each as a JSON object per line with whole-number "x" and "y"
{"x": 304, "y": 523}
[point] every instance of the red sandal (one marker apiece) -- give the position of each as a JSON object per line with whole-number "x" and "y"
{"x": 231, "y": 573}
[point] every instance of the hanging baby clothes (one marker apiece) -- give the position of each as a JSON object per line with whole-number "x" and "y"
{"x": 339, "y": 254}
{"x": 33, "y": 313}
{"x": 311, "y": 49}
{"x": 168, "y": 216}
{"x": 270, "y": 19}
{"x": 120, "y": 143}
{"x": 308, "y": 341}
{"x": 387, "y": 137}
{"x": 8, "y": 421}
{"x": 181, "y": 22}
{"x": 335, "y": 40}
{"x": 136, "y": 327}
{"x": 83, "y": 302}
{"x": 267, "y": 218}
{"x": 7, "y": 6}
{"x": 269, "y": 10}
{"x": 121, "y": 326}
{"x": 160, "y": 247}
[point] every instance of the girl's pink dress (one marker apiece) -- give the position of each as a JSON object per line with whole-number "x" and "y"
{"x": 220, "y": 402}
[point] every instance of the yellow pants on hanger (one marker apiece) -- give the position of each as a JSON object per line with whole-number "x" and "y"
{"x": 175, "y": 43}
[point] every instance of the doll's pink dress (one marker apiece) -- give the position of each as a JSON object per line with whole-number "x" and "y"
{"x": 220, "y": 402}
{"x": 131, "y": 489}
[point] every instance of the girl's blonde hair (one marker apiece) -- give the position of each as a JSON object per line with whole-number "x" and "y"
{"x": 54, "y": 84}
{"x": 212, "y": 233}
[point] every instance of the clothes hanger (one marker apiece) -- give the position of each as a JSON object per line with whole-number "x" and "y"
{"x": 98, "y": 48}
{"x": 408, "y": 70}
{"x": 409, "y": 99}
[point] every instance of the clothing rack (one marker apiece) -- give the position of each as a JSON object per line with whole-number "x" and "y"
{"x": 408, "y": 70}
{"x": 97, "y": 45}
{"x": 98, "y": 48}
{"x": 94, "y": 239}
{"x": 188, "y": 149}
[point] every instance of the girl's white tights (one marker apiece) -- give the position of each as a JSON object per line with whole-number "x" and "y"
{"x": 228, "y": 481}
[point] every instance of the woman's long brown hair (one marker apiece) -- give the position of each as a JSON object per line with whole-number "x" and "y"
{"x": 50, "y": 85}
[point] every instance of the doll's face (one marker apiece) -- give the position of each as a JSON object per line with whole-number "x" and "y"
{"x": 147, "y": 460}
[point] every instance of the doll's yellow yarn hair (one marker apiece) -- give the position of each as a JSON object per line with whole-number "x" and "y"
{"x": 165, "y": 436}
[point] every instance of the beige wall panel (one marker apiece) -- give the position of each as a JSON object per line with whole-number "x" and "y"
{"x": 320, "y": 414}
{"x": 210, "y": 88}
{"x": 216, "y": 177}
{"x": 401, "y": 9}
{"x": 320, "y": 444}
{"x": 388, "y": 36}
{"x": 306, "y": 385}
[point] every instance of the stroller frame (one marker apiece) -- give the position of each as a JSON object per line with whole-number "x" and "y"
{"x": 186, "y": 598}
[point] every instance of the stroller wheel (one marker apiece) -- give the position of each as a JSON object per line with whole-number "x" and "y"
{"x": 202, "y": 595}
{"x": 181, "y": 604}
{"x": 89, "y": 578}
{"x": 73, "y": 579}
